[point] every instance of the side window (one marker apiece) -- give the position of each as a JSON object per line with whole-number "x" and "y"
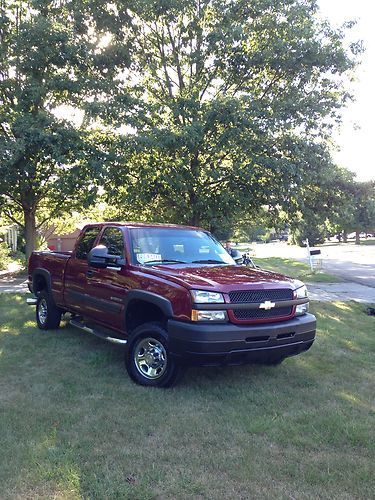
{"x": 113, "y": 239}
{"x": 86, "y": 242}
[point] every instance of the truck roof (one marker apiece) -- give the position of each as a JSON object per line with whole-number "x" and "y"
{"x": 141, "y": 224}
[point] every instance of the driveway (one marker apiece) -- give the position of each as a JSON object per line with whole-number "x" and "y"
{"x": 11, "y": 284}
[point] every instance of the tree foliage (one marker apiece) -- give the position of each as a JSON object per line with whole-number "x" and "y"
{"x": 50, "y": 58}
{"x": 193, "y": 111}
{"x": 234, "y": 102}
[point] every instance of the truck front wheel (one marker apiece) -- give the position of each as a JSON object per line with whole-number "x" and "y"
{"x": 48, "y": 316}
{"x": 147, "y": 358}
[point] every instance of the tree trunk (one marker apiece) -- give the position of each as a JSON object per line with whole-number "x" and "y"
{"x": 194, "y": 169}
{"x": 345, "y": 236}
{"x": 195, "y": 218}
{"x": 357, "y": 239}
{"x": 30, "y": 231}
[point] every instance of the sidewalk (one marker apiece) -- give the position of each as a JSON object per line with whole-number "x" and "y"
{"x": 329, "y": 292}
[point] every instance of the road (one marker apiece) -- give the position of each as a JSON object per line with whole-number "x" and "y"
{"x": 9, "y": 284}
{"x": 355, "y": 263}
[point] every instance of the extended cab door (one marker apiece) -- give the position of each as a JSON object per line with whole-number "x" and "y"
{"x": 77, "y": 269}
{"x": 107, "y": 288}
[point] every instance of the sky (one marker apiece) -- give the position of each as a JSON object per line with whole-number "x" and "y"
{"x": 356, "y": 138}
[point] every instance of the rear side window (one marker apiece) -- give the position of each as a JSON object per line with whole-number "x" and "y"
{"x": 113, "y": 239}
{"x": 86, "y": 242}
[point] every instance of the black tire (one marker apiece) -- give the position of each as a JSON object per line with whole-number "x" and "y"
{"x": 147, "y": 359}
{"x": 48, "y": 315}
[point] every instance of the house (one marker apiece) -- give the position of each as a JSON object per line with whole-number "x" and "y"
{"x": 63, "y": 242}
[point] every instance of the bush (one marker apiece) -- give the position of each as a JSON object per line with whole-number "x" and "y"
{"x": 5, "y": 258}
{"x": 314, "y": 233}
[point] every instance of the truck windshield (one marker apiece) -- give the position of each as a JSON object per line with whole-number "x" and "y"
{"x": 154, "y": 245}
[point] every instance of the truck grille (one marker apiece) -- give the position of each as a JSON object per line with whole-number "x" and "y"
{"x": 260, "y": 295}
{"x": 241, "y": 297}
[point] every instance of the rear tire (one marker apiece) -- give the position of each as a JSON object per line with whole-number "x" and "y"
{"x": 147, "y": 358}
{"x": 48, "y": 315}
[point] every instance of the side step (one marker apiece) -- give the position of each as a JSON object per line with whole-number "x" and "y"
{"x": 97, "y": 333}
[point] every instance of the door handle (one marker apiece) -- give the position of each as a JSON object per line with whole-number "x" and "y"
{"x": 89, "y": 273}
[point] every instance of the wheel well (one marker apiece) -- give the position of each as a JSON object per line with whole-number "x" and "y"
{"x": 139, "y": 312}
{"x": 39, "y": 283}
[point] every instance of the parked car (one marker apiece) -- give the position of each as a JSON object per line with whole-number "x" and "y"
{"x": 172, "y": 296}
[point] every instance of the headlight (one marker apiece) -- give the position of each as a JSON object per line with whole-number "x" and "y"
{"x": 204, "y": 297}
{"x": 301, "y": 293}
{"x": 219, "y": 316}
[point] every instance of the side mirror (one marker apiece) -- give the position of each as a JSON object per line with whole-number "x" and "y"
{"x": 237, "y": 256}
{"x": 100, "y": 258}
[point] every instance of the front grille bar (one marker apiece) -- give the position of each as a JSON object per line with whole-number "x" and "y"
{"x": 250, "y": 305}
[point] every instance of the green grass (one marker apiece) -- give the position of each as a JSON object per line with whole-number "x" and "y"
{"x": 74, "y": 426}
{"x": 369, "y": 241}
{"x": 296, "y": 269}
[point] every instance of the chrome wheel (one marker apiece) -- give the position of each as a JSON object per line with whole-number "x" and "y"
{"x": 42, "y": 311}
{"x": 150, "y": 358}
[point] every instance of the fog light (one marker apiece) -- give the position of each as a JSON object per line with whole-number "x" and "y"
{"x": 208, "y": 315}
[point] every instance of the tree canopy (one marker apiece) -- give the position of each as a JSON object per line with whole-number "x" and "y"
{"x": 50, "y": 58}
{"x": 192, "y": 111}
{"x": 234, "y": 103}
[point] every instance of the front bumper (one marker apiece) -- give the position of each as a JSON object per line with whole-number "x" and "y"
{"x": 229, "y": 344}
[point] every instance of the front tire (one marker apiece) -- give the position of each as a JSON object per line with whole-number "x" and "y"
{"x": 147, "y": 358}
{"x": 48, "y": 315}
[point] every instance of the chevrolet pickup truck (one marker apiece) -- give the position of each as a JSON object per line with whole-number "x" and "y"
{"x": 173, "y": 296}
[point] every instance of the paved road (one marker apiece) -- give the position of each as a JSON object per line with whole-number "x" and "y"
{"x": 13, "y": 285}
{"x": 354, "y": 263}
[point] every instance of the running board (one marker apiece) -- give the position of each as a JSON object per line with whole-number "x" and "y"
{"x": 97, "y": 333}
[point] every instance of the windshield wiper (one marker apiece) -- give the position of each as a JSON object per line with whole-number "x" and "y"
{"x": 208, "y": 261}
{"x": 165, "y": 261}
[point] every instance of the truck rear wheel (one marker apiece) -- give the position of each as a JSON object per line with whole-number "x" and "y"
{"x": 147, "y": 358}
{"x": 48, "y": 315}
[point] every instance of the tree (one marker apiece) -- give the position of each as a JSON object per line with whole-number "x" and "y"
{"x": 52, "y": 56}
{"x": 360, "y": 208}
{"x": 234, "y": 101}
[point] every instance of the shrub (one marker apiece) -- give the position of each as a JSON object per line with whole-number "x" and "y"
{"x": 5, "y": 258}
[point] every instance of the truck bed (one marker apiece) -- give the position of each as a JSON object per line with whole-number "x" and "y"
{"x": 55, "y": 263}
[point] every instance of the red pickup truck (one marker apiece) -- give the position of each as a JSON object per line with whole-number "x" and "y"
{"x": 173, "y": 296}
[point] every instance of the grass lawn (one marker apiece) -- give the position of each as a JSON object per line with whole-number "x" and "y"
{"x": 74, "y": 426}
{"x": 369, "y": 241}
{"x": 296, "y": 269}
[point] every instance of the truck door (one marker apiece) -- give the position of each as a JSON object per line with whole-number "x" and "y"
{"x": 106, "y": 288}
{"x": 75, "y": 284}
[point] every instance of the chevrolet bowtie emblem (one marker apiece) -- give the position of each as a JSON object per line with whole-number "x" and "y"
{"x": 267, "y": 305}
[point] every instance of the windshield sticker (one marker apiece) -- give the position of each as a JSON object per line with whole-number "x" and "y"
{"x": 146, "y": 257}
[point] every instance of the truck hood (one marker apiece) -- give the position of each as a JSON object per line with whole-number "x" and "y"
{"x": 221, "y": 278}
